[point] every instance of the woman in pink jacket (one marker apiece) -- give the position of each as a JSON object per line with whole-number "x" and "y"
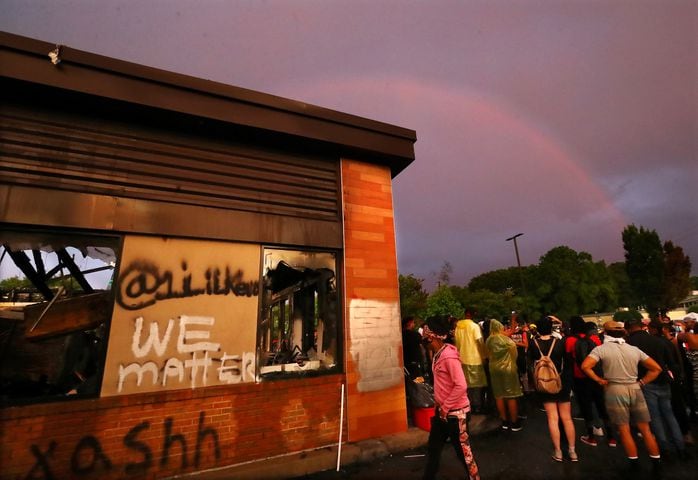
{"x": 450, "y": 400}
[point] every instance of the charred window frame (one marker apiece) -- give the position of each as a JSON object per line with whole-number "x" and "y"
{"x": 56, "y": 302}
{"x": 299, "y": 326}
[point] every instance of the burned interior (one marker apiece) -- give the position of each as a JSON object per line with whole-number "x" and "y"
{"x": 55, "y": 308}
{"x": 298, "y": 328}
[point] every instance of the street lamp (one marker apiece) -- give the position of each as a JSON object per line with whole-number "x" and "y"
{"x": 518, "y": 262}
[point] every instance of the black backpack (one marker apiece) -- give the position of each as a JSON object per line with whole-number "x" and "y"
{"x": 582, "y": 347}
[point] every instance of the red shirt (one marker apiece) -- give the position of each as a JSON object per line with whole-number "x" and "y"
{"x": 570, "y": 343}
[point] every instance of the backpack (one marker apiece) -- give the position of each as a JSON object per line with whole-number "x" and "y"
{"x": 545, "y": 375}
{"x": 582, "y": 347}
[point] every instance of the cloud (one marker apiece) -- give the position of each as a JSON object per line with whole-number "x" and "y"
{"x": 483, "y": 172}
{"x": 562, "y": 120}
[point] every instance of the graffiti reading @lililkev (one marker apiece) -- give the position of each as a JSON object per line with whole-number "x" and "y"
{"x": 143, "y": 284}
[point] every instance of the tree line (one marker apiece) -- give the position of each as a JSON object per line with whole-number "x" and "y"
{"x": 655, "y": 277}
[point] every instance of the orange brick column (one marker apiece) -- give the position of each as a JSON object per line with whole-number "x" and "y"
{"x": 375, "y": 388}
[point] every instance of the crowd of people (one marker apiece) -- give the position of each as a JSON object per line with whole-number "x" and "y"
{"x": 626, "y": 380}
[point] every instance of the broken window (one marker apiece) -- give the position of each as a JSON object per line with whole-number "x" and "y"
{"x": 55, "y": 306}
{"x": 299, "y": 329}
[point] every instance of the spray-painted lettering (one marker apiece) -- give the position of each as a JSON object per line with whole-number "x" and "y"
{"x": 143, "y": 284}
{"x": 197, "y": 354}
{"x": 89, "y": 457}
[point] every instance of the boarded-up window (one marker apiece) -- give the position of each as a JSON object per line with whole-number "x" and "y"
{"x": 184, "y": 317}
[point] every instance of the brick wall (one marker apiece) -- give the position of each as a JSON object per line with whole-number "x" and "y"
{"x": 156, "y": 435}
{"x": 375, "y": 389}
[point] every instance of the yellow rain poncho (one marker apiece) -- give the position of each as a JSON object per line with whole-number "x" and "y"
{"x": 502, "y": 354}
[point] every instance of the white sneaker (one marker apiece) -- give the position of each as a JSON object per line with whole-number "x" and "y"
{"x": 598, "y": 432}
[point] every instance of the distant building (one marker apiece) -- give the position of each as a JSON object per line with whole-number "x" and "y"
{"x": 212, "y": 264}
{"x": 676, "y": 314}
{"x": 689, "y": 301}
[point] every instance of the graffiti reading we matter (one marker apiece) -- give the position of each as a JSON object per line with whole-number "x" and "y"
{"x": 193, "y": 341}
{"x": 142, "y": 284}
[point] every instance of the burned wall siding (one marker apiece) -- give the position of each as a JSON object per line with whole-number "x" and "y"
{"x": 234, "y": 191}
{"x": 185, "y": 316}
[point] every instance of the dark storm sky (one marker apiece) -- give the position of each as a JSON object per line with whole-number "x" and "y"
{"x": 564, "y": 120}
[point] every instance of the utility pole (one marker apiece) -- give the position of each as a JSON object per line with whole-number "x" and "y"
{"x": 518, "y": 263}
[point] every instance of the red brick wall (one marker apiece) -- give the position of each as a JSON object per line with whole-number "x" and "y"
{"x": 127, "y": 437}
{"x": 375, "y": 407}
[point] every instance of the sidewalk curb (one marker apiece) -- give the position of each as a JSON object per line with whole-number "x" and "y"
{"x": 313, "y": 461}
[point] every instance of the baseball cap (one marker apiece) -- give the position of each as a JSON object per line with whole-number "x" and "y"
{"x": 613, "y": 326}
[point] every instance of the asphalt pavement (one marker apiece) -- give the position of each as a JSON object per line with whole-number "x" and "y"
{"x": 524, "y": 455}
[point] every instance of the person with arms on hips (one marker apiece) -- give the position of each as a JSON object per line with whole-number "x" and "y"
{"x": 557, "y": 405}
{"x": 622, "y": 390}
{"x": 450, "y": 399}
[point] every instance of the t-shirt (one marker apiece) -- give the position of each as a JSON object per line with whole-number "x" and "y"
{"x": 570, "y": 346}
{"x": 659, "y": 349}
{"x": 619, "y": 361}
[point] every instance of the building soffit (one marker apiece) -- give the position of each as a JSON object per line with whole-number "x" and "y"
{"x": 27, "y": 59}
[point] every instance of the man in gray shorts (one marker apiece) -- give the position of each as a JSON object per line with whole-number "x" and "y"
{"x": 622, "y": 389}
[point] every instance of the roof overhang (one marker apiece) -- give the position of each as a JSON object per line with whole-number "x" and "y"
{"x": 27, "y": 60}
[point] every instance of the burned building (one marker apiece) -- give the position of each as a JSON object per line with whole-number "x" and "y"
{"x": 191, "y": 271}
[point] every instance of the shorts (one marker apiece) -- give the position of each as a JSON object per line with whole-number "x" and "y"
{"x": 625, "y": 401}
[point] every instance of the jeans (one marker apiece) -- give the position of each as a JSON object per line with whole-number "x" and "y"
{"x": 663, "y": 424}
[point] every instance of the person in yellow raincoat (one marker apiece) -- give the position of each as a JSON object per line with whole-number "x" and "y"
{"x": 504, "y": 377}
{"x": 471, "y": 348}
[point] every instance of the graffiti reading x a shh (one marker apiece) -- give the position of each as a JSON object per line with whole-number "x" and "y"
{"x": 142, "y": 284}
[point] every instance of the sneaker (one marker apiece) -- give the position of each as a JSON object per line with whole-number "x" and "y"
{"x": 612, "y": 442}
{"x": 589, "y": 440}
{"x": 516, "y": 426}
{"x": 505, "y": 425}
